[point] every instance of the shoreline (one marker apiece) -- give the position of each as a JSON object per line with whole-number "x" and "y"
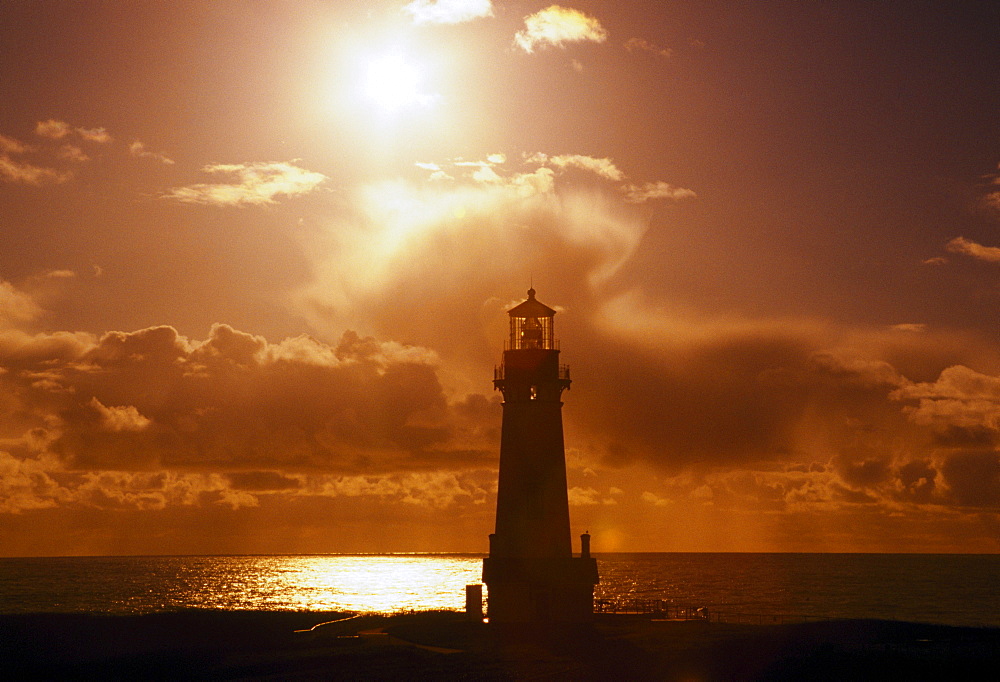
{"x": 211, "y": 644}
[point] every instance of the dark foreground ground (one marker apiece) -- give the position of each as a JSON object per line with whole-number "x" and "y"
{"x": 203, "y": 644}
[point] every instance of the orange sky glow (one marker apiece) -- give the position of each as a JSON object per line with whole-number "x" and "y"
{"x": 256, "y": 259}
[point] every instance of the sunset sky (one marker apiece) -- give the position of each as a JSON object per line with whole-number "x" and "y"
{"x": 255, "y": 259}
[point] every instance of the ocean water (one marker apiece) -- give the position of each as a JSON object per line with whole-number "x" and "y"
{"x": 947, "y": 589}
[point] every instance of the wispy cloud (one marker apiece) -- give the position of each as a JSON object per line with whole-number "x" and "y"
{"x": 643, "y": 45}
{"x": 966, "y": 247}
{"x": 542, "y": 179}
{"x": 52, "y": 129}
{"x": 12, "y": 170}
{"x": 138, "y": 150}
{"x": 557, "y": 26}
{"x": 9, "y": 145}
{"x": 55, "y": 129}
{"x": 99, "y": 135}
{"x": 448, "y": 11}
{"x": 73, "y": 153}
{"x": 255, "y": 184}
{"x": 603, "y": 167}
{"x": 647, "y": 191}
{"x": 988, "y": 199}
{"x": 991, "y": 201}
{"x": 15, "y": 171}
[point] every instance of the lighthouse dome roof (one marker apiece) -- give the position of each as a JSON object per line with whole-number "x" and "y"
{"x": 531, "y": 308}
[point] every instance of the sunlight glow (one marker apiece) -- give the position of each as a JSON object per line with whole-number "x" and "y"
{"x": 392, "y": 82}
{"x": 405, "y": 214}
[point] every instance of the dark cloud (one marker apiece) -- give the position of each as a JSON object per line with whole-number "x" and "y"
{"x": 956, "y": 436}
{"x": 703, "y": 393}
{"x": 852, "y": 496}
{"x": 973, "y": 478}
{"x": 154, "y": 399}
{"x": 262, "y": 481}
{"x": 864, "y": 471}
{"x": 918, "y": 480}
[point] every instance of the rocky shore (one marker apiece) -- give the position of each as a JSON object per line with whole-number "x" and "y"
{"x": 205, "y": 644}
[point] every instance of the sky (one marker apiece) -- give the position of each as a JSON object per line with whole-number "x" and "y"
{"x": 255, "y": 260}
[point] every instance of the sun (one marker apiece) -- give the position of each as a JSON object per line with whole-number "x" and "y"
{"x": 393, "y": 83}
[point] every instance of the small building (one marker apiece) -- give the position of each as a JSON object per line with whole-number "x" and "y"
{"x": 531, "y": 573}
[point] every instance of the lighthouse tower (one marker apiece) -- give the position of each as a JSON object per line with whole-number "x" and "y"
{"x": 531, "y": 573}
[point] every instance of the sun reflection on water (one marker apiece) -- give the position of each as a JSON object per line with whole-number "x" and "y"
{"x": 381, "y": 584}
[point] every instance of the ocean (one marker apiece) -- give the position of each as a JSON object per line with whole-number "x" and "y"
{"x": 935, "y": 588}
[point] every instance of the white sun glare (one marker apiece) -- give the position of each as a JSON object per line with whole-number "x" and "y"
{"x": 393, "y": 83}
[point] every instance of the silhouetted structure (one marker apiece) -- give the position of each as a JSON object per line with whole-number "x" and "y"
{"x": 531, "y": 573}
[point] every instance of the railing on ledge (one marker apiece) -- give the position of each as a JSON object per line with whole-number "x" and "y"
{"x": 662, "y": 609}
{"x": 551, "y": 345}
{"x": 650, "y": 607}
{"x": 498, "y": 372}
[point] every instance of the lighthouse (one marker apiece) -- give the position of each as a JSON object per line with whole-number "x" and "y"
{"x": 531, "y": 573}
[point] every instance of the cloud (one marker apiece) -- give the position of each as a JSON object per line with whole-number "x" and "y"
{"x": 26, "y": 173}
{"x": 654, "y": 499}
{"x": 52, "y": 129}
{"x": 963, "y": 408}
{"x": 256, "y": 184}
{"x": 656, "y": 190}
{"x": 542, "y": 180}
{"x": 487, "y": 227}
{"x": 153, "y": 399}
{"x": 138, "y": 150}
{"x": 122, "y": 418}
{"x": 973, "y": 478}
{"x": 26, "y": 485}
{"x": 642, "y": 45}
{"x": 726, "y": 392}
{"x": 581, "y": 497}
{"x": 263, "y": 480}
{"x": 990, "y": 254}
{"x": 31, "y": 484}
{"x": 988, "y": 201}
{"x": 16, "y": 171}
{"x": 16, "y": 307}
{"x": 557, "y": 26}
{"x": 448, "y": 11}
{"x": 959, "y": 398}
{"x": 99, "y": 135}
{"x": 8, "y": 145}
{"x": 73, "y": 153}
{"x": 913, "y": 327}
{"x": 539, "y": 181}
{"x": 57, "y": 130}
{"x": 603, "y": 167}
{"x": 991, "y": 202}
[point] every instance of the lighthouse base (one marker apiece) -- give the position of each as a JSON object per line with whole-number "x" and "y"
{"x": 537, "y": 590}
